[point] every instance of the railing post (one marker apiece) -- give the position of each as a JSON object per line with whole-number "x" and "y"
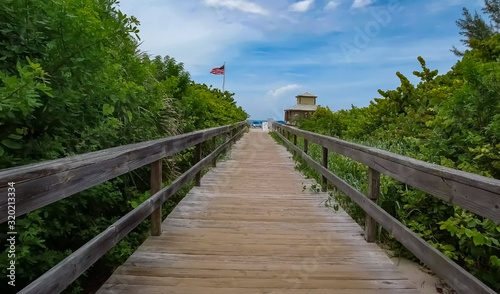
{"x": 156, "y": 180}
{"x": 197, "y": 158}
{"x": 324, "y": 182}
{"x": 214, "y": 143}
{"x": 306, "y": 146}
{"x": 294, "y": 143}
{"x": 373, "y": 194}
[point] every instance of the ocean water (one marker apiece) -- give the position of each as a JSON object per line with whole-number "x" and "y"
{"x": 259, "y": 122}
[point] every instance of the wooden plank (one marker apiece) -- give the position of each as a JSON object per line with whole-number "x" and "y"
{"x": 41, "y": 184}
{"x": 341, "y": 272}
{"x": 64, "y": 273}
{"x": 448, "y": 270}
{"x": 373, "y": 194}
{"x": 134, "y": 289}
{"x": 473, "y": 192}
{"x": 221, "y": 282}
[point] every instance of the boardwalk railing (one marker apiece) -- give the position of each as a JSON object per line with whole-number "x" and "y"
{"x": 475, "y": 193}
{"x": 41, "y": 184}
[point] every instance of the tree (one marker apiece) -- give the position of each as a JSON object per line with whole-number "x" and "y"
{"x": 474, "y": 27}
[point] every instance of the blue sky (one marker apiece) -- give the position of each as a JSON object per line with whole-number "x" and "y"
{"x": 341, "y": 50}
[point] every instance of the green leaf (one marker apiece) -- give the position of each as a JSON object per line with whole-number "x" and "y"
{"x": 448, "y": 247}
{"x": 469, "y": 233}
{"x": 15, "y": 137}
{"x": 11, "y": 144}
{"x": 472, "y": 224}
{"x": 495, "y": 260}
{"x": 2, "y": 151}
{"x": 107, "y": 109}
{"x": 478, "y": 239}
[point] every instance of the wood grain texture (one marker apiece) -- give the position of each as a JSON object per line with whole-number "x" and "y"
{"x": 373, "y": 194}
{"x": 473, "y": 192}
{"x": 156, "y": 181}
{"x": 197, "y": 158}
{"x": 64, "y": 273}
{"x": 41, "y": 184}
{"x": 252, "y": 228}
{"x": 445, "y": 268}
{"x": 324, "y": 181}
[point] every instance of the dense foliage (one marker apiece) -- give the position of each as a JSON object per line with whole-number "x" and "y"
{"x": 452, "y": 120}
{"x": 72, "y": 80}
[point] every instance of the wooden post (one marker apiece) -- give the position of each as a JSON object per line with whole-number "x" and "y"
{"x": 156, "y": 180}
{"x": 214, "y": 142}
{"x": 373, "y": 194}
{"x": 197, "y": 158}
{"x": 294, "y": 143}
{"x": 324, "y": 182}
{"x": 306, "y": 146}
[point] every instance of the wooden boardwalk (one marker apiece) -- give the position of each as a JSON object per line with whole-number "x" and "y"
{"x": 252, "y": 228}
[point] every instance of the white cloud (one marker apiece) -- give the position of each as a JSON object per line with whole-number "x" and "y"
{"x": 201, "y": 44}
{"x": 361, "y": 3}
{"x": 242, "y": 5}
{"x": 301, "y": 6}
{"x": 282, "y": 90}
{"x": 332, "y": 5}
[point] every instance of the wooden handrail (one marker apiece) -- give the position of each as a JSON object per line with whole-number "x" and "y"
{"x": 478, "y": 194}
{"x": 41, "y": 184}
{"x": 136, "y": 155}
{"x": 400, "y": 167}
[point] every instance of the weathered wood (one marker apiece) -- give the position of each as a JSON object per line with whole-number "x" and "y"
{"x": 324, "y": 181}
{"x": 41, "y": 184}
{"x": 294, "y": 141}
{"x": 64, "y": 273}
{"x": 373, "y": 194}
{"x": 473, "y": 192}
{"x": 214, "y": 143}
{"x": 306, "y": 146}
{"x": 197, "y": 158}
{"x": 445, "y": 268}
{"x": 156, "y": 180}
{"x": 245, "y": 231}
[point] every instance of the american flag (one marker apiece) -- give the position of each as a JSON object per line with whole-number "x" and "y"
{"x": 218, "y": 70}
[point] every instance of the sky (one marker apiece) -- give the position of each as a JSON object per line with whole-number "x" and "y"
{"x": 343, "y": 51}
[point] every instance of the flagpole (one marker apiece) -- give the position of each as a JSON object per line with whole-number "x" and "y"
{"x": 224, "y": 78}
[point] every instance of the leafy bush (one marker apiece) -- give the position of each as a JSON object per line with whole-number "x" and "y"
{"x": 72, "y": 81}
{"x": 452, "y": 120}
